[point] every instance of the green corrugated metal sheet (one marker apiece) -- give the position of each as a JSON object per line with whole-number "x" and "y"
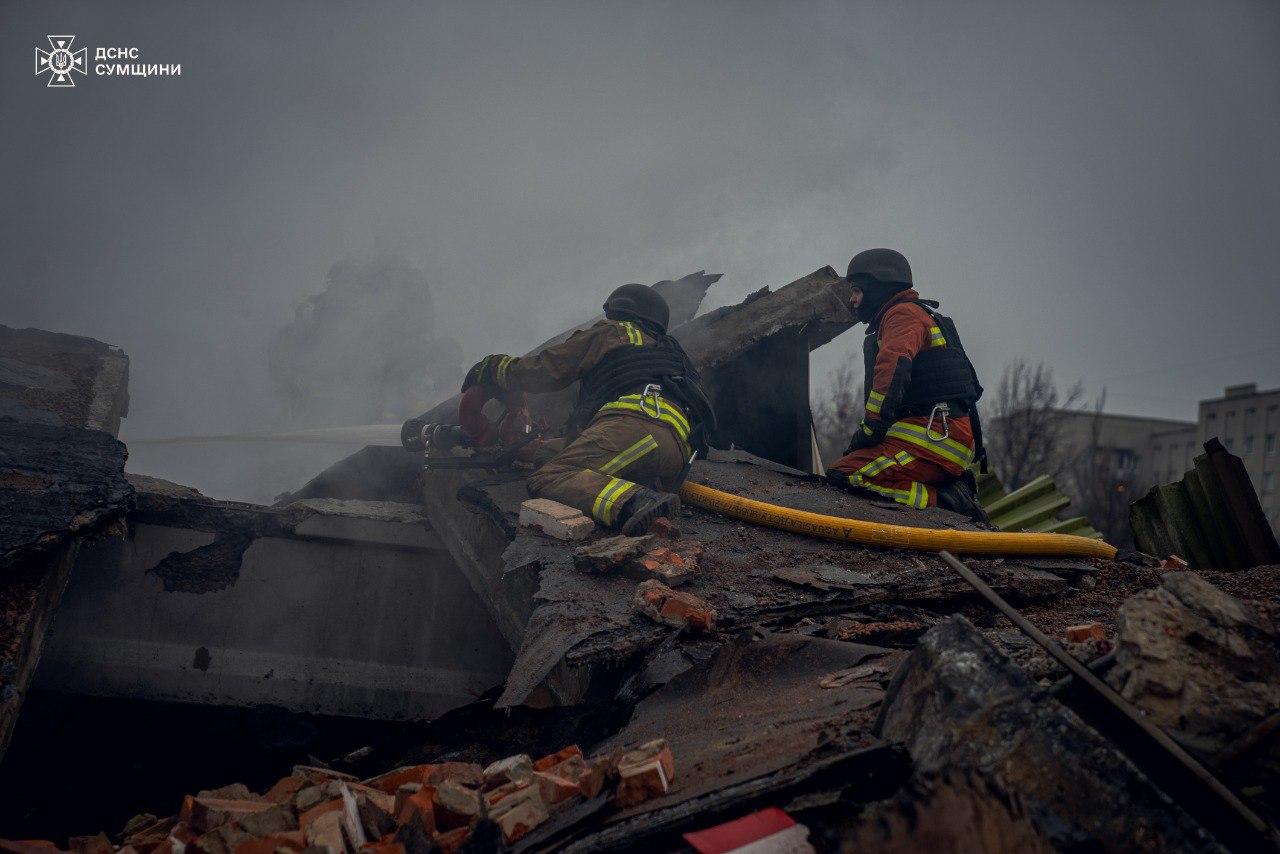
{"x": 1032, "y": 507}
{"x": 1211, "y": 518}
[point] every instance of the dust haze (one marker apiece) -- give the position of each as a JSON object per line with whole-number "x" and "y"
{"x": 1089, "y": 185}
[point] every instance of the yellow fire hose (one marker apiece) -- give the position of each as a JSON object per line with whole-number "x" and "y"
{"x": 891, "y": 536}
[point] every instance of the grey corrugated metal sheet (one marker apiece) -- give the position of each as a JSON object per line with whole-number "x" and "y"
{"x": 1032, "y": 507}
{"x": 1211, "y": 518}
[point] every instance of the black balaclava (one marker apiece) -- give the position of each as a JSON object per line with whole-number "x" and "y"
{"x": 875, "y": 294}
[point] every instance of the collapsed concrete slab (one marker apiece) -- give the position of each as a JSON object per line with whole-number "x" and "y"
{"x": 570, "y": 626}
{"x": 61, "y": 483}
{"x": 958, "y": 702}
{"x": 337, "y": 607}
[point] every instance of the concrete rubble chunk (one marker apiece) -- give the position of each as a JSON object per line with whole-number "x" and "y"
{"x": 958, "y": 702}
{"x": 610, "y": 554}
{"x": 555, "y": 519}
{"x": 1202, "y": 665}
{"x": 516, "y": 769}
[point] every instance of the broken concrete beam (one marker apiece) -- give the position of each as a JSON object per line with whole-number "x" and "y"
{"x": 56, "y": 483}
{"x": 62, "y": 380}
{"x": 59, "y": 487}
{"x": 659, "y": 602}
{"x": 1202, "y": 665}
{"x": 555, "y": 519}
{"x": 958, "y": 702}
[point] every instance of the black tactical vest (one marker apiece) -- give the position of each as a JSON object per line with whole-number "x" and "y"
{"x": 938, "y": 374}
{"x": 628, "y": 370}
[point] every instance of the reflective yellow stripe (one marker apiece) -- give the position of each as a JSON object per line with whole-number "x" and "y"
{"x": 605, "y": 506}
{"x": 873, "y": 407}
{"x": 630, "y": 455}
{"x": 876, "y": 466}
{"x": 633, "y": 334}
{"x": 865, "y": 428}
{"x": 669, "y": 413}
{"x": 502, "y": 370}
{"x": 949, "y": 449}
{"x": 936, "y": 338}
{"x": 875, "y": 396}
{"x": 902, "y": 458}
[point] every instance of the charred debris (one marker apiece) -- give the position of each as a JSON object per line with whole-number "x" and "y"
{"x": 445, "y": 665}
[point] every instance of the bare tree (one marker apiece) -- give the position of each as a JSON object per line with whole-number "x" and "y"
{"x": 1026, "y": 437}
{"x": 839, "y": 408}
{"x": 1105, "y": 481}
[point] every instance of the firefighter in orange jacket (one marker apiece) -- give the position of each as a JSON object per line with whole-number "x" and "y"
{"x": 920, "y": 432}
{"x": 640, "y": 418}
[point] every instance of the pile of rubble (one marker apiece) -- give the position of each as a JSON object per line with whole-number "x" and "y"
{"x": 408, "y": 810}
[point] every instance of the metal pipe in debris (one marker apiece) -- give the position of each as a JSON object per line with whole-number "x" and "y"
{"x": 1204, "y": 779}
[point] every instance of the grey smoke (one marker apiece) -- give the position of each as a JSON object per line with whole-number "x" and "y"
{"x": 368, "y": 349}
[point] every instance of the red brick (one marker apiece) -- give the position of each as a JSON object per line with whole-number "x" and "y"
{"x": 419, "y": 806}
{"x": 393, "y": 780}
{"x": 1086, "y": 632}
{"x": 284, "y": 789}
{"x": 1173, "y": 562}
{"x": 309, "y": 817}
{"x": 556, "y": 790}
{"x": 589, "y": 776}
{"x": 520, "y": 812}
{"x": 644, "y": 773}
{"x": 659, "y": 602}
{"x": 546, "y": 763}
{"x": 205, "y": 814}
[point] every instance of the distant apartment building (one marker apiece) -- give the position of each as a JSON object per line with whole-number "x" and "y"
{"x": 1247, "y": 421}
{"x": 1135, "y": 453}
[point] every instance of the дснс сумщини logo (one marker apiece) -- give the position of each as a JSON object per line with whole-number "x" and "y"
{"x": 61, "y": 60}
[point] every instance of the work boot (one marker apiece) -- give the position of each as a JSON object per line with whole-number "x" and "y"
{"x": 959, "y": 497}
{"x": 643, "y": 507}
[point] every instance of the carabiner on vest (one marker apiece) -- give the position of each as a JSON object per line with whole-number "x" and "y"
{"x": 940, "y": 411}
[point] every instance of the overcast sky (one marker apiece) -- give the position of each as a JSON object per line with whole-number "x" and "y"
{"x": 1094, "y": 185}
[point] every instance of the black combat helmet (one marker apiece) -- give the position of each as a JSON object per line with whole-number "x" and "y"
{"x": 638, "y": 302}
{"x": 884, "y": 265}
